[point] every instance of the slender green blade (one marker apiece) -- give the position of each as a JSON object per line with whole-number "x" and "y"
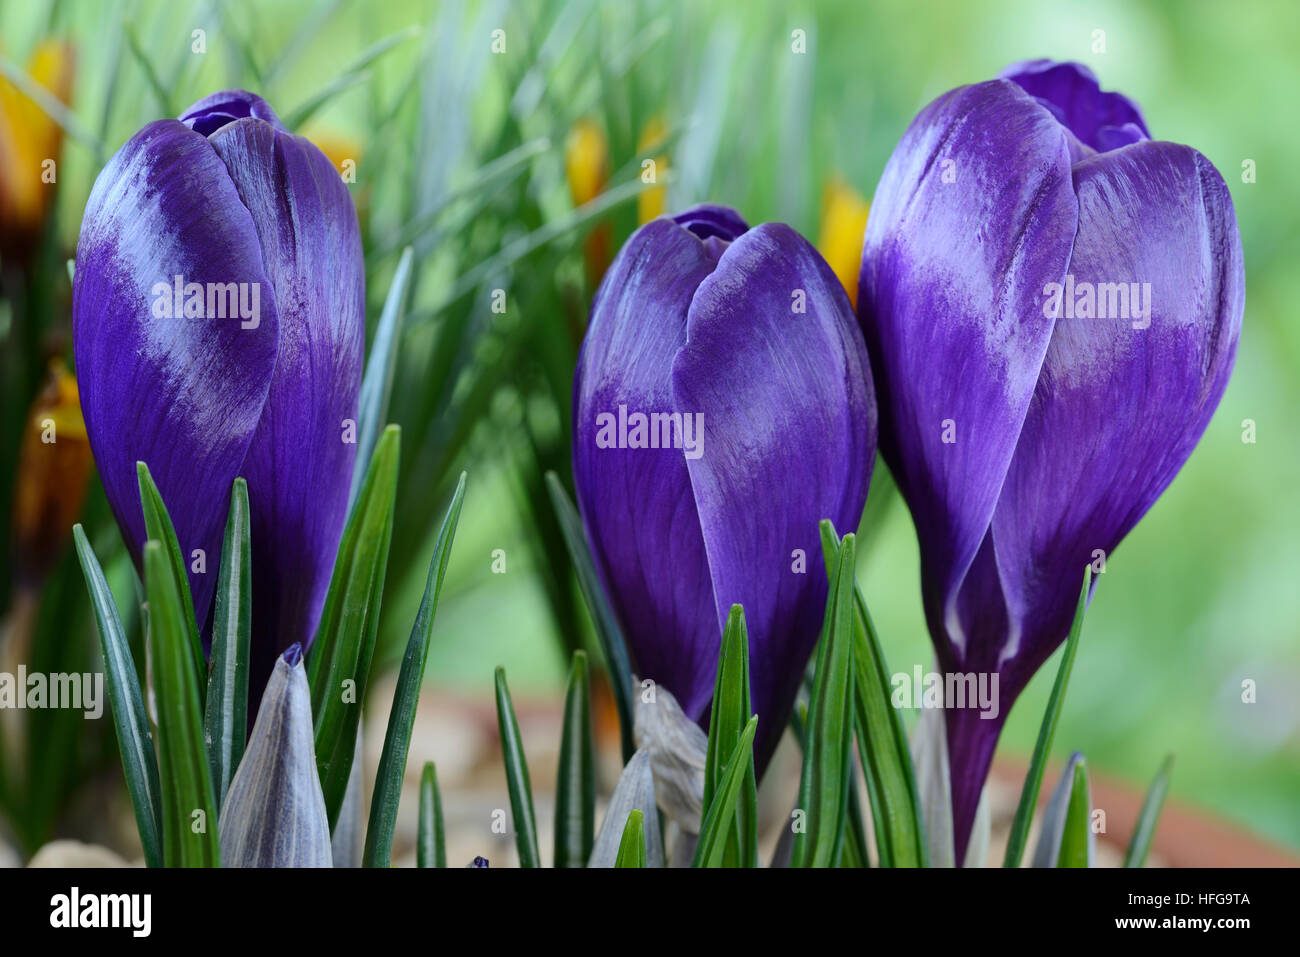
{"x": 855, "y": 852}
{"x": 521, "y": 790}
{"x": 156, "y": 85}
{"x": 130, "y": 719}
{"x": 824, "y": 786}
{"x": 338, "y": 666}
{"x": 716, "y": 828}
{"x": 189, "y": 805}
{"x": 1046, "y": 731}
{"x": 575, "y": 787}
{"x": 731, "y": 712}
{"x": 1075, "y": 837}
{"x": 1145, "y": 832}
{"x": 226, "y": 716}
{"x": 406, "y": 696}
{"x": 158, "y": 526}
{"x": 352, "y": 74}
{"x": 607, "y": 629}
{"x": 882, "y": 740}
{"x": 377, "y": 383}
{"x": 631, "y": 850}
{"x": 431, "y": 840}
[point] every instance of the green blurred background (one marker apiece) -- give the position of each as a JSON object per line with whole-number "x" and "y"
{"x": 1202, "y": 595}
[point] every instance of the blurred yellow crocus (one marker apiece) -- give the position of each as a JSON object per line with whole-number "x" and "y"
{"x": 586, "y": 166}
{"x": 29, "y": 146}
{"x": 651, "y": 203}
{"x": 54, "y": 463}
{"x": 844, "y": 220}
{"x": 345, "y": 154}
{"x": 586, "y": 161}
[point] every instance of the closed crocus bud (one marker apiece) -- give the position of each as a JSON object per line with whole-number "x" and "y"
{"x": 1051, "y": 301}
{"x": 218, "y": 312}
{"x": 722, "y": 408}
{"x": 274, "y": 814}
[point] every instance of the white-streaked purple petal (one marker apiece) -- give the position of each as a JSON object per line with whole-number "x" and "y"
{"x": 974, "y": 213}
{"x": 1123, "y": 399}
{"x": 299, "y": 464}
{"x": 1120, "y": 395}
{"x": 184, "y": 395}
{"x": 637, "y": 503}
{"x": 775, "y": 366}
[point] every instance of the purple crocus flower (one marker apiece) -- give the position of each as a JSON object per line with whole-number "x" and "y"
{"x": 218, "y": 311}
{"x": 722, "y": 408}
{"x": 1052, "y": 301}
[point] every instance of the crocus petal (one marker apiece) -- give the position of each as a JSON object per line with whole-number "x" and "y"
{"x": 1102, "y": 120}
{"x": 973, "y": 215}
{"x": 1118, "y": 408}
{"x": 184, "y": 395}
{"x": 1120, "y": 404}
{"x": 274, "y": 815}
{"x": 637, "y": 504}
{"x": 301, "y": 457}
{"x": 775, "y": 365}
{"x": 219, "y": 109}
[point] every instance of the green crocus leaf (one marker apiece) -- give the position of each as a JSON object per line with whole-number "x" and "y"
{"x": 711, "y": 849}
{"x": 1076, "y": 837}
{"x": 130, "y": 719}
{"x": 225, "y": 718}
{"x": 189, "y": 802}
{"x": 1046, "y": 731}
{"x": 1145, "y": 832}
{"x": 828, "y": 731}
{"x": 338, "y": 664}
{"x": 731, "y": 712}
{"x": 377, "y": 383}
{"x": 521, "y": 791}
{"x": 431, "y": 840}
{"x": 158, "y": 527}
{"x": 607, "y": 629}
{"x": 406, "y": 696}
{"x": 882, "y": 741}
{"x": 631, "y": 850}
{"x": 575, "y": 788}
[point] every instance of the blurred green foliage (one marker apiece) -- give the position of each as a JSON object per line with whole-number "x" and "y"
{"x": 1200, "y": 597}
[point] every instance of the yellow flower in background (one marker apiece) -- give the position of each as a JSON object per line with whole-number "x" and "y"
{"x": 28, "y": 140}
{"x": 651, "y": 203}
{"x": 586, "y": 161}
{"x": 54, "y": 463}
{"x": 345, "y": 154}
{"x": 586, "y": 166}
{"x": 340, "y": 149}
{"x": 844, "y": 220}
